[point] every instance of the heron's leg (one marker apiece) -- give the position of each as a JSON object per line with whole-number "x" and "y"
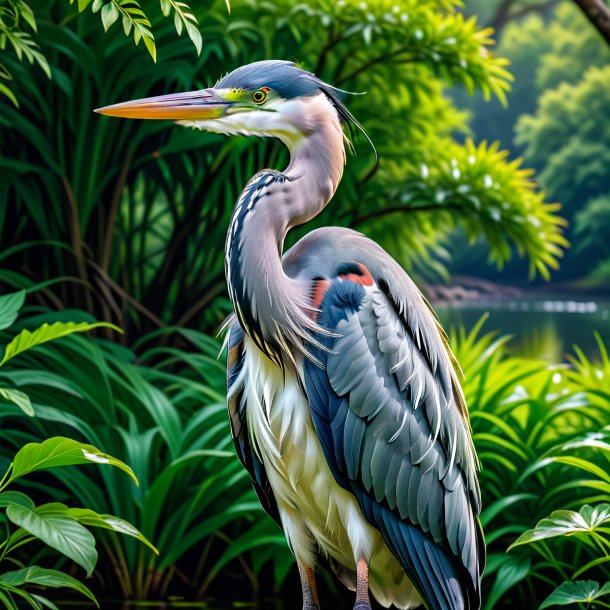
{"x": 363, "y": 601}
{"x": 308, "y": 585}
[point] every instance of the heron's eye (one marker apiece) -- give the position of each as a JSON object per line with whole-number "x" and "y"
{"x": 260, "y": 95}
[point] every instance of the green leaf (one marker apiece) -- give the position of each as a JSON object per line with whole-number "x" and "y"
{"x": 21, "y": 399}
{"x": 512, "y": 571}
{"x": 48, "y": 332}
{"x": 11, "y": 96}
{"x": 50, "y": 524}
{"x": 7, "y": 498}
{"x": 44, "y": 577}
{"x": 195, "y": 36}
{"x": 149, "y": 43}
{"x": 110, "y": 14}
{"x": 579, "y": 591}
{"x": 83, "y": 4}
{"x": 566, "y": 523}
{"x": 10, "y": 304}
{"x": 109, "y": 522}
{"x": 43, "y": 601}
{"x": 27, "y": 14}
{"x": 60, "y": 451}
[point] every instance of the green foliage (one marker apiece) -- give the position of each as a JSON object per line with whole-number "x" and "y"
{"x": 532, "y": 427}
{"x": 11, "y": 583}
{"x": 567, "y": 523}
{"x": 15, "y": 17}
{"x": 580, "y": 591}
{"x": 556, "y": 113}
{"x": 592, "y": 225}
{"x": 15, "y": 14}
{"x": 567, "y": 137}
{"x": 474, "y": 188}
{"x": 10, "y": 305}
{"x": 166, "y": 416}
{"x": 132, "y": 210}
{"x": 59, "y": 527}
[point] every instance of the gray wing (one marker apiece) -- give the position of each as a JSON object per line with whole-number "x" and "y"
{"x": 391, "y": 420}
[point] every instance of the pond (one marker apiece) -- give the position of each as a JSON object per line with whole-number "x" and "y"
{"x": 542, "y": 326}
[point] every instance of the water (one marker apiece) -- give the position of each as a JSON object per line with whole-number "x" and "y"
{"x": 542, "y": 326}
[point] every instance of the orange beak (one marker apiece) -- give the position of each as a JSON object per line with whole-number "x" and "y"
{"x": 194, "y": 105}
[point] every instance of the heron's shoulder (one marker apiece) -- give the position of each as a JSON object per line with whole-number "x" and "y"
{"x": 323, "y": 252}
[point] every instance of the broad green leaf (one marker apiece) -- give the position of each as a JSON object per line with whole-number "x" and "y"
{"x": 566, "y": 523}
{"x": 83, "y": 4}
{"x": 60, "y": 451}
{"x": 21, "y": 399}
{"x": 579, "y": 591}
{"x": 10, "y": 304}
{"x": 109, "y": 522}
{"x": 512, "y": 571}
{"x": 50, "y": 524}
{"x": 27, "y": 339}
{"x": 44, "y": 577}
{"x": 7, "y": 498}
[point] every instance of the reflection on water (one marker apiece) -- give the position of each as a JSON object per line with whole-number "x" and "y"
{"x": 542, "y": 327}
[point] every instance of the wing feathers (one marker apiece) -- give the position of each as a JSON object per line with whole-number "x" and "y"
{"x": 396, "y": 439}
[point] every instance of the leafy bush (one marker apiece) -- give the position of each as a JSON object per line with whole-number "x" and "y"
{"x": 58, "y": 526}
{"x": 164, "y": 413}
{"x": 569, "y": 131}
{"x": 541, "y": 432}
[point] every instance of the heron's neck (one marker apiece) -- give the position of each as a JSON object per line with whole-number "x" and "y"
{"x": 270, "y": 305}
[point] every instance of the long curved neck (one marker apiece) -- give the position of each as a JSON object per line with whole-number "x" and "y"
{"x": 272, "y": 307}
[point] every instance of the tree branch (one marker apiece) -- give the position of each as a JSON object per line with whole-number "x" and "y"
{"x": 376, "y": 60}
{"x": 504, "y": 14}
{"x": 598, "y": 14}
{"x": 401, "y": 208}
{"x": 501, "y": 18}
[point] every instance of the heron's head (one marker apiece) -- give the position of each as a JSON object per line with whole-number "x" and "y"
{"x": 266, "y": 98}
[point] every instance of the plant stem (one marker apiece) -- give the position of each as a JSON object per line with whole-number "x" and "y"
{"x": 6, "y": 474}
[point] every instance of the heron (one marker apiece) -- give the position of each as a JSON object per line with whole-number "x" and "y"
{"x": 344, "y": 397}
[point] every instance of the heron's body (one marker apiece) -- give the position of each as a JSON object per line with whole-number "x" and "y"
{"x": 343, "y": 397}
{"x": 317, "y": 514}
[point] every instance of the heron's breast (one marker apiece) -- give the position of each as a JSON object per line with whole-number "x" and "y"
{"x": 284, "y": 436}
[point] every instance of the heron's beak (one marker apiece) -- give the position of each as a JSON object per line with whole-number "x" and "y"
{"x": 194, "y": 105}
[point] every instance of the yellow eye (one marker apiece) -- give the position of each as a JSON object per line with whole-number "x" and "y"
{"x": 260, "y": 95}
